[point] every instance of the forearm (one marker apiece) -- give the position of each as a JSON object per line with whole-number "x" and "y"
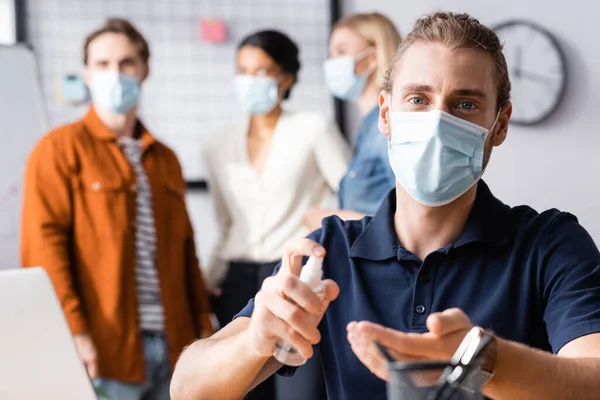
{"x": 221, "y": 367}
{"x": 526, "y": 373}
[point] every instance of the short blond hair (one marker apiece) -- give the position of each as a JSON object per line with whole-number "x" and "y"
{"x": 457, "y": 31}
{"x": 379, "y": 32}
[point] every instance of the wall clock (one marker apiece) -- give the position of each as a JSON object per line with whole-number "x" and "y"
{"x": 537, "y": 70}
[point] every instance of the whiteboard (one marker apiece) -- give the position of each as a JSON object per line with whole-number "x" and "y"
{"x": 189, "y": 94}
{"x": 23, "y": 120}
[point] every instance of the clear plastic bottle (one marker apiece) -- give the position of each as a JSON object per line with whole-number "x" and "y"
{"x": 311, "y": 274}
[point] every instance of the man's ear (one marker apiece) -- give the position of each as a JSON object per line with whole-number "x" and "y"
{"x": 503, "y": 119}
{"x": 384, "y": 113}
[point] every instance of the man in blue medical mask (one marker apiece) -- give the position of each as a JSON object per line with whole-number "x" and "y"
{"x": 442, "y": 257}
{"x": 104, "y": 213}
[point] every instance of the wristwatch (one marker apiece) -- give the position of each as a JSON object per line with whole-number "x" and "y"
{"x": 471, "y": 366}
{"x": 480, "y": 351}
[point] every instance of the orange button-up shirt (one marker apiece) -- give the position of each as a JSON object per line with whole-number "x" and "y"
{"x": 78, "y": 223}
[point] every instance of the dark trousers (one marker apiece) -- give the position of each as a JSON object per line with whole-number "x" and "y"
{"x": 242, "y": 282}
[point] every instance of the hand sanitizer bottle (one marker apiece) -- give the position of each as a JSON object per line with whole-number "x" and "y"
{"x": 311, "y": 274}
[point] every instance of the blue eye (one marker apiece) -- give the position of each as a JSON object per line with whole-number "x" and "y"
{"x": 466, "y": 105}
{"x": 417, "y": 101}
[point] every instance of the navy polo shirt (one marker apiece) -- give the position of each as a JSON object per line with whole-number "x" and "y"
{"x": 532, "y": 278}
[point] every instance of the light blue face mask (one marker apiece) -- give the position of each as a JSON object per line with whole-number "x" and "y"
{"x": 436, "y": 156}
{"x": 256, "y": 94}
{"x": 114, "y": 92}
{"x": 340, "y": 78}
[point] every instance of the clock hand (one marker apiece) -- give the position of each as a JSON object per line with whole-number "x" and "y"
{"x": 535, "y": 77}
{"x": 518, "y": 61}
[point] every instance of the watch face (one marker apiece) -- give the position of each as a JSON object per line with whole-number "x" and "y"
{"x": 537, "y": 70}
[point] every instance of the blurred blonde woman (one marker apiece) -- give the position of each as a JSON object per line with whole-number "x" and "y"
{"x": 360, "y": 48}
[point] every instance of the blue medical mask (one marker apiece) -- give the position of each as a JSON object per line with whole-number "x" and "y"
{"x": 114, "y": 91}
{"x": 340, "y": 78}
{"x": 256, "y": 94}
{"x": 436, "y": 156}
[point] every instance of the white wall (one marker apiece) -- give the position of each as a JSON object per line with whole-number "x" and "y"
{"x": 7, "y": 22}
{"x": 555, "y": 164}
{"x": 202, "y": 213}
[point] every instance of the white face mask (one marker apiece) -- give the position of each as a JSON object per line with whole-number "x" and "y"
{"x": 436, "y": 156}
{"x": 256, "y": 95}
{"x": 340, "y": 78}
{"x": 114, "y": 91}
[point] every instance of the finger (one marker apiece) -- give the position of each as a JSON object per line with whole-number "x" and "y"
{"x": 331, "y": 290}
{"x": 289, "y": 336}
{"x": 297, "y": 318}
{"x": 447, "y": 322}
{"x": 378, "y": 359}
{"x": 351, "y": 326}
{"x": 299, "y": 292}
{"x": 294, "y": 250}
{"x": 274, "y": 327}
{"x": 411, "y": 344}
{"x": 375, "y": 364}
{"x": 353, "y": 333}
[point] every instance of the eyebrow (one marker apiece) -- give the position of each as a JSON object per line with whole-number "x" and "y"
{"x": 127, "y": 59}
{"x": 415, "y": 87}
{"x": 470, "y": 93}
{"x": 124, "y": 59}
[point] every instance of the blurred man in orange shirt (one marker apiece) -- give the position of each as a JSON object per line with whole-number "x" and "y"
{"x": 104, "y": 213}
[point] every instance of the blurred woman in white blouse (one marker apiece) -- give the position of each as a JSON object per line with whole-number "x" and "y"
{"x": 266, "y": 172}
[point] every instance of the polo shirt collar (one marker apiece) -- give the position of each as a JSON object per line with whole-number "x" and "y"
{"x": 378, "y": 240}
{"x": 100, "y": 131}
{"x": 487, "y": 224}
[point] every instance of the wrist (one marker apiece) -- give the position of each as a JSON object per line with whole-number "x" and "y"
{"x": 489, "y": 357}
{"x": 256, "y": 351}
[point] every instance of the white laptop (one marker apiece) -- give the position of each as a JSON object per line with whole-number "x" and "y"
{"x": 38, "y": 359}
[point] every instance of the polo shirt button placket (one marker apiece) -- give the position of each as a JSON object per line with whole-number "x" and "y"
{"x": 423, "y": 295}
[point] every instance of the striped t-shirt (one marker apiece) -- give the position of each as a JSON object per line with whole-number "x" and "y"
{"x": 150, "y": 307}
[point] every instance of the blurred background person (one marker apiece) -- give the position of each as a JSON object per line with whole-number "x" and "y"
{"x": 361, "y": 46}
{"x": 104, "y": 214}
{"x": 264, "y": 174}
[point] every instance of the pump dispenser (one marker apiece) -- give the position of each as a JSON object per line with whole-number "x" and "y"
{"x": 311, "y": 275}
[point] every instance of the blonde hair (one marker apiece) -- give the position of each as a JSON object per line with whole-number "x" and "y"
{"x": 380, "y": 33}
{"x": 457, "y": 31}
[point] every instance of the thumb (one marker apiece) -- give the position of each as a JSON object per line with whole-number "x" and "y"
{"x": 447, "y": 322}
{"x": 332, "y": 290}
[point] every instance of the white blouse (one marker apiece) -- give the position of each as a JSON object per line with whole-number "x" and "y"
{"x": 258, "y": 212}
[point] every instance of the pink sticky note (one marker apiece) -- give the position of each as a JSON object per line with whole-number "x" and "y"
{"x": 213, "y": 30}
